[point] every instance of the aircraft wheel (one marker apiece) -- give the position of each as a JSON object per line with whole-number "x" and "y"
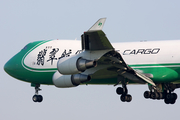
{"x": 173, "y": 101}
{"x": 123, "y": 98}
{"x": 40, "y": 98}
{"x": 37, "y": 98}
{"x": 154, "y": 95}
{"x": 174, "y": 95}
{"x": 158, "y": 96}
{"x": 119, "y": 90}
{"x": 126, "y": 98}
{"x": 169, "y": 101}
{"x": 168, "y": 96}
{"x": 129, "y": 98}
{"x": 166, "y": 101}
{"x": 161, "y": 95}
{"x": 147, "y": 94}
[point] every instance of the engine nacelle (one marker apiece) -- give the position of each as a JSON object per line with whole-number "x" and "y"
{"x": 74, "y": 65}
{"x": 65, "y": 81}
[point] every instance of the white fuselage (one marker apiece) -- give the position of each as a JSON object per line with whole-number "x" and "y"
{"x": 150, "y": 52}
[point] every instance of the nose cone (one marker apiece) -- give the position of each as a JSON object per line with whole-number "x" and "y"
{"x": 10, "y": 67}
{"x": 6, "y": 67}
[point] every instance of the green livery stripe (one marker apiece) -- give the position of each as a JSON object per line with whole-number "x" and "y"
{"x": 156, "y": 65}
{"x": 161, "y": 73}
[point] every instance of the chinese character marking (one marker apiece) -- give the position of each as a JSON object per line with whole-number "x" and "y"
{"x": 64, "y": 54}
{"x": 52, "y": 55}
{"x": 40, "y": 57}
{"x": 79, "y": 51}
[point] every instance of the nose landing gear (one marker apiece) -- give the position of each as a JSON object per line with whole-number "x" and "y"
{"x": 37, "y": 97}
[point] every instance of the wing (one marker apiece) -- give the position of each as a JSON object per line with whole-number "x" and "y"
{"x": 98, "y": 25}
{"x": 95, "y": 40}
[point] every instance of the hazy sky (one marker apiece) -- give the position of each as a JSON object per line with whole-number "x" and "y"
{"x": 24, "y": 21}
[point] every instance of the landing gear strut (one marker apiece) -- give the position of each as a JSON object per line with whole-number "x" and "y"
{"x": 123, "y": 91}
{"x": 37, "y": 97}
{"x": 164, "y": 92}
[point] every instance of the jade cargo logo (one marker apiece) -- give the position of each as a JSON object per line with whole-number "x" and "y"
{"x": 100, "y": 24}
{"x": 141, "y": 51}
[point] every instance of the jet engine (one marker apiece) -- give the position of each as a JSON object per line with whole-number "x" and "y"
{"x": 74, "y": 65}
{"x": 65, "y": 81}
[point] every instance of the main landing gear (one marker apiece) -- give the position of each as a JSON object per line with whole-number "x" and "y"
{"x": 164, "y": 92}
{"x": 123, "y": 91}
{"x": 37, "y": 97}
{"x": 125, "y": 97}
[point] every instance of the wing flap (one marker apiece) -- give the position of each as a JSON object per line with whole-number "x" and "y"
{"x": 118, "y": 65}
{"x": 148, "y": 80}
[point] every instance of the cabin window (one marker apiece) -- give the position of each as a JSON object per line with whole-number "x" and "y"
{"x": 25, "y": 48}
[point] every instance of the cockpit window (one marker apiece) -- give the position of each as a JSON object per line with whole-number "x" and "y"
{"x": 25, "y": 48}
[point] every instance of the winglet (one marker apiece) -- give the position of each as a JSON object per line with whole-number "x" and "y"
{"x": 98, "y": 25}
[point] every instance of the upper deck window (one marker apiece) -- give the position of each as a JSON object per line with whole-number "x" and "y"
{"x": 25, "y": 48}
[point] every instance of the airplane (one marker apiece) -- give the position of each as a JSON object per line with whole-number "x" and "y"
{"x": 94, "y": 60}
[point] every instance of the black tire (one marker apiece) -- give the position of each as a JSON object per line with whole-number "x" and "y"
{"x": 123, "y": 98}
{"x": 166, "y": 101}
{"x": 35, "y": 98}
{"x": 169, "y": 96}
{"x": 174, "y": 95}
{"x": 172, "y": 101}
{"x": 158, "y": 96}
{"x": 161, "y": 95}
{"x": 129, "y": 98}
{"x": 119, "y": 90}
{"x": 154, "y": 95}
{"x": 40, "y": 98}
{"x": 147, "y": 94}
